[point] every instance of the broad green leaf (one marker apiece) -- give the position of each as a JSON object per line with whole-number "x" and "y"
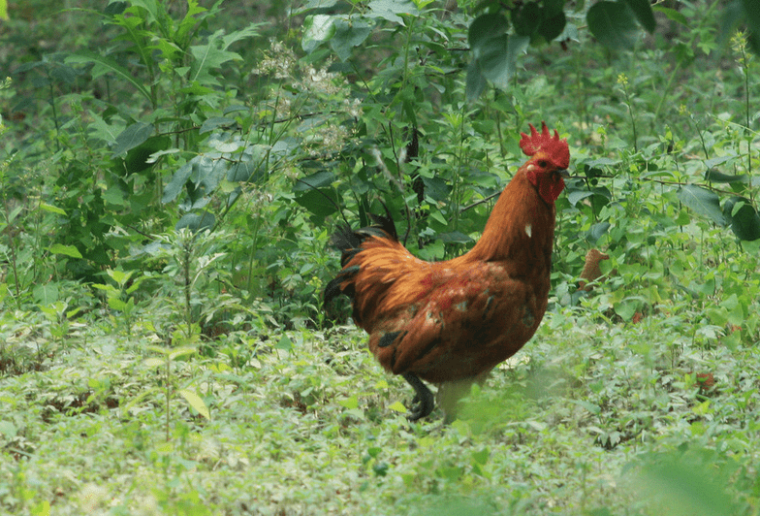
{"x": 46, "y": 294}
{"x": 131, "y": 137}
{"x": 752, "y": 10}
{"x": 702, "y": 201}
{"x": 685, "y": 487}
{"x": 3, "y": 9}
{"x": 744, "y": 219}
{"x": 154, "y": 362}
{"x": 718, "y": 177}
{"x": 196, "y": 221}
{"x": 550, "y": 28}
{"x": 50, "y": 208}
{"x": 349, "y": 403}
{"x": 68, "y": 250}
{"x": 177, "y": 183}
{"x": 643, "y": 11}
{"x": 139, "y": 158}
{"x": 391, "y": 9}
{"x": 672, "y": 15}
{"x": 208, "y": 59}
{"x": 576, "y": 196}
{"x": 475, "y": 82}
{"x": 612, "y": 24}
{"x": 316, "y": 30}
{"x": 318, "y": 180}
{"x": 398, "y": 407}
{"x": 318, "y": 202}
{"x": 196, "y": 402}
{"x": 181, "y": 352}
{"x": 107, "y": 65}
{"x": 116, "y": 304}
{"x": 349, "y": 33}
{"x": 284, "y": 344}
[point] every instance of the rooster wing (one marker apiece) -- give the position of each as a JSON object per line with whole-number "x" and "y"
{"x": 473, "y": 318}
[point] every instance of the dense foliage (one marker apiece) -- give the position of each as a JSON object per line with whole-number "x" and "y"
{"x": 170, "y": 173}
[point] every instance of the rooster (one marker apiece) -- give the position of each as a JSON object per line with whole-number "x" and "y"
{"x": 451, "y": 322}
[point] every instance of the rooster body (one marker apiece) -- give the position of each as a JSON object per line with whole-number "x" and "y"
{"x": 454, "y": 320}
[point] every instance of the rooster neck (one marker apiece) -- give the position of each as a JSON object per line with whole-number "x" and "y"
{"x": 520, "y": 230}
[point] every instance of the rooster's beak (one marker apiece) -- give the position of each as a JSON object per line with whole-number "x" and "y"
{"x": 564, "y": 174}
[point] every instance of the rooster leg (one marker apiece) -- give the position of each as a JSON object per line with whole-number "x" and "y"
{"x": 423, "y": 401}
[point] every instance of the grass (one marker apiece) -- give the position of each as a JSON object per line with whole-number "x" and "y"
{"x": 581, "y": 423}
{"x": 642, "y": 397}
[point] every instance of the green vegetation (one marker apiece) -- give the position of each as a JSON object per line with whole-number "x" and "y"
{"x": 170, "y": 174}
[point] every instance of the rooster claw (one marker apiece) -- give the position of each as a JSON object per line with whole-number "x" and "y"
{"x": 423, "y": 402}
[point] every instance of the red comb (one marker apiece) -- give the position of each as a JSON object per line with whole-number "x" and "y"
{"x": 555, "y": 148}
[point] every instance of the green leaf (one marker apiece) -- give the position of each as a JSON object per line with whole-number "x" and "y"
{"x": 134, "y": 135}
{"x": 643, "y": 11}
{"x": 550, "y": 28}
{"x": 196, "y": 402}
{"x": 316, "y": 30}
{"x": 390, "y": 9}
{"x": 3, "y": 10}
{"x": 46, "y": 294}
{"x": 743, "y": 217}
{"x": 752, "y": 11}
{"x": 318, "y": 180}
{"x": 51, "y": 209}
{"x": 67, "y": 250}
{"x": 672, "y": 15}
{"x": 718, "y": 177}
{"x": 397, "y": 407}
{"x": 196, "y": 221}
{"x": 208, "y": 59}
{"x": 139, "y": 158}
{"x": 475, "y": 82}
{"x": 284, "y": 344}
{"x": 349, "y": 403}
{"x": 349, "y": 33}
{"x": 317, "y": 202}
{"x": 702, "y": 201}
{"x": 107, "y": 65}
{"x": 611, "y": 23}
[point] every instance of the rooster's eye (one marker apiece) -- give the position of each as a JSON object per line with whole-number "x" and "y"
{"x": 542, "y": 164}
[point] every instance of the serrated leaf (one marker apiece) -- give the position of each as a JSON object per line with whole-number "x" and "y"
{"x": 612, "y": 25}
{"x": 704, "y": 202}
{"x": 107, "y": 65}
{"x": 67, "y": 250}
{"x": 196, "y": 402}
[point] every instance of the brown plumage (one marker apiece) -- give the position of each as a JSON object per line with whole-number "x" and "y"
{"x": 591, "y": 269}
{"x": 453, "y": 321}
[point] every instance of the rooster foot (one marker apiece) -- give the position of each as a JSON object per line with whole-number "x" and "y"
{"x": 423, "y": 402}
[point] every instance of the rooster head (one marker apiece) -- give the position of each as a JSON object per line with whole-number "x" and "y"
{"x": 550, "y": 158}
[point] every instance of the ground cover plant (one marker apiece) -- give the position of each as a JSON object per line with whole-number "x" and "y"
{"x": 170, "y": 174}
